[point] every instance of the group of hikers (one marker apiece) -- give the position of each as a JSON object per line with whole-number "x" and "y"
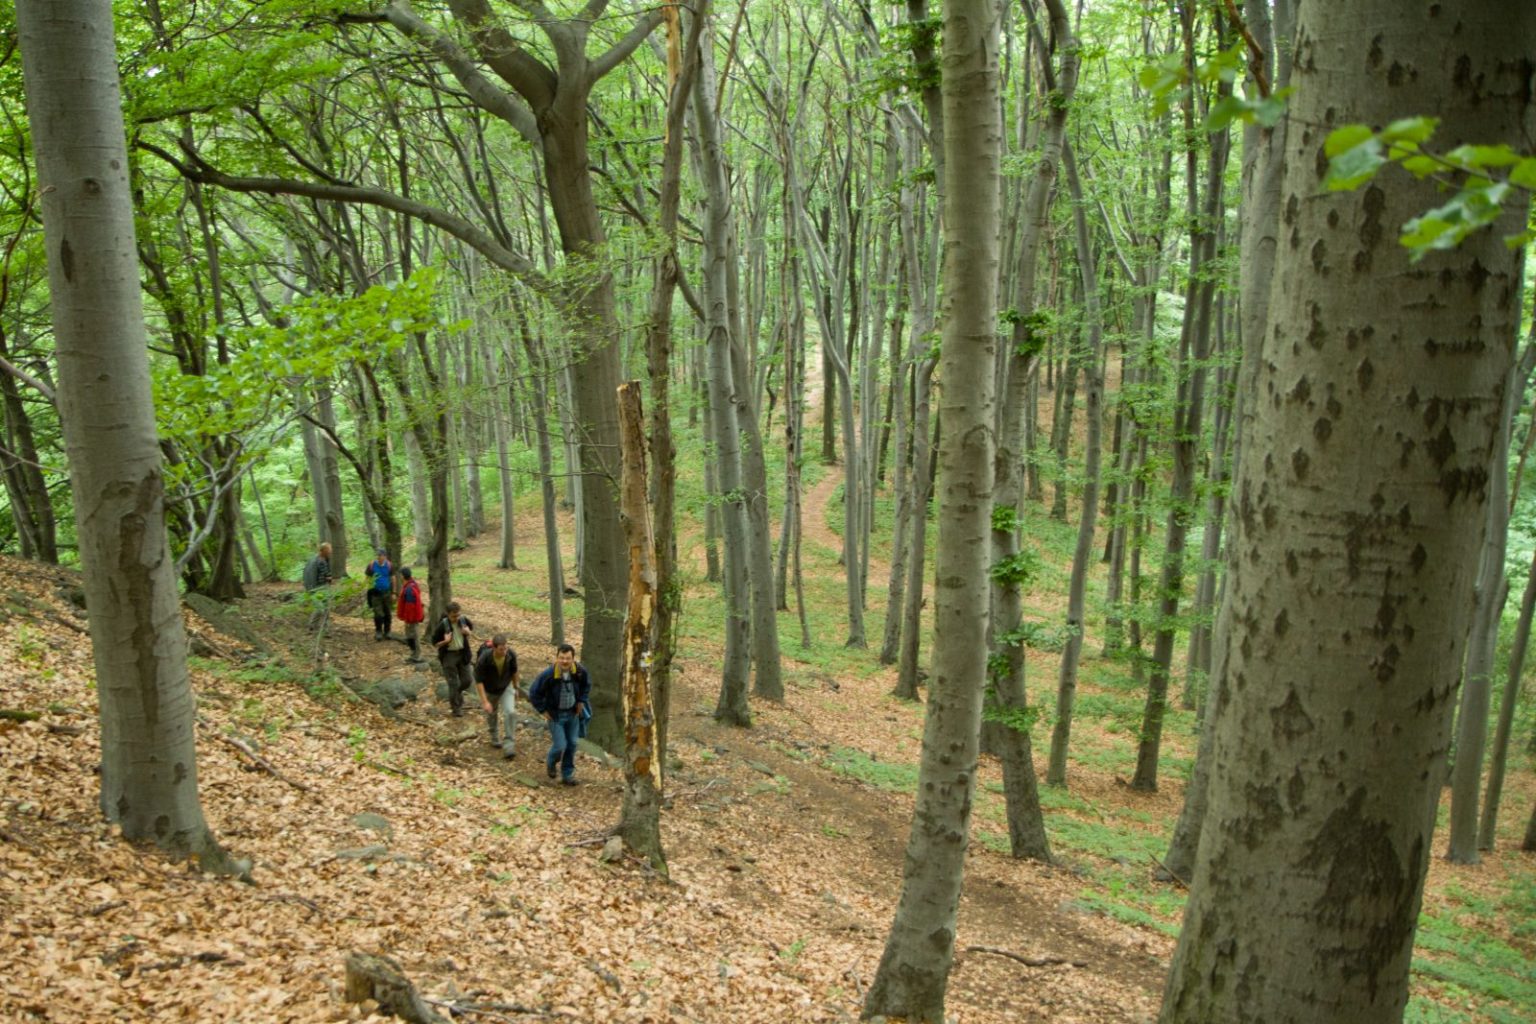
{"x": 560, "y": 693}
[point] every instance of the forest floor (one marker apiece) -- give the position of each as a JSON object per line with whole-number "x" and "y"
{"x": 408, "y": 835}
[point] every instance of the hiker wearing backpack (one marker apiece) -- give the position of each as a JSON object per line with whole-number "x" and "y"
{"x": 317, "y": 576}
{"x": 381, "y": 576}
{"x": 411, "y": 611}
{"x": 454, "y": 637}
{"x": 496, "y": 682}
{"x": 560, "y": 694}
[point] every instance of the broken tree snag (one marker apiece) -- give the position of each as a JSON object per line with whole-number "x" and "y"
{"x": 640, "y": 820}
{"x": 379, "y": 978}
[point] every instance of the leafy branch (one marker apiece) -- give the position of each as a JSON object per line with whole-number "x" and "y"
{"x": 1486, "y": 179}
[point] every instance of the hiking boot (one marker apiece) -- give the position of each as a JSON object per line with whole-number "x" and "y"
{"x": 569, "y": 782}
{"x": 509, "y": 755}
{"x": 458, "y": 712}
{"x": 494, "y": 741}
{"x": 549, "y": 770}
{"x": 378, "y": 634}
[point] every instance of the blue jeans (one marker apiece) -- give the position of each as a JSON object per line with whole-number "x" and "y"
{"x": 562, "y": 746}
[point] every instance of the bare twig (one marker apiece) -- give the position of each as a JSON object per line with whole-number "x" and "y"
{"x": 1170, "y": 873}
{"x": 261, "y": 762}
{"x": 1028, "y": 961}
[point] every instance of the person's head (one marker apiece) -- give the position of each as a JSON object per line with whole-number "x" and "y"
{"x": 499, "y": 643}
{"x": 405, "y": 572}
{"x": 565, "y": 657}
{"x": 325, "y": 550}
{"x": 382, "y": 553}
{"x": 453, "y": 609}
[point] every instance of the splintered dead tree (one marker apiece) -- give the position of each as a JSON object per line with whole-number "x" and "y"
{"x": 148, "y": 753}
{"x": 640, "y": 822}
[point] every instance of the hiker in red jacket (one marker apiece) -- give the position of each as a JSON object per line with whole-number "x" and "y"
{"x": 411, "y": 610}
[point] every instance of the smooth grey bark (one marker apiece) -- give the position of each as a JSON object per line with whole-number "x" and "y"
{"x": 1008, "y": 735}
{"x": 724, "y": 403}
{"x": 421, "y": 512}
{"x": 1488, "y": 611}
{"x": 1188, "y": 421}
{"x": 500, "y": 396}
{"x": 1082, "y": 557}
{"x": 139, "y": 647}
{"x": 1498, "y": 754}
{"x": 543, "y": 388}
{"x": 330, "y": 468}
{"x": 1350, "y": 592}
{"x": 1270, "y": 26}
{"x": 914, "y": 970}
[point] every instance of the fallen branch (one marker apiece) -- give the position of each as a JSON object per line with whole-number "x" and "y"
{"x": 381, "y": 766}
{"x": 1028, "y": 961}
{"x": 284, "y": 897}
{"x": 261, "y": 762}
{"x": 65, "y": 730}
{"x": 496, "y": 1011}
{"x": 18, "y": 715}
{"x": 1168, "y": 872}
{"x": 379, "y": 978}
{"x": 105, "y": 908}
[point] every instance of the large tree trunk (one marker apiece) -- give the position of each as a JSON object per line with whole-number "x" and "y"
{"x": 148, "y": 752}
{"x": 1365, "y": 461}
{"x": 914, "y": 970}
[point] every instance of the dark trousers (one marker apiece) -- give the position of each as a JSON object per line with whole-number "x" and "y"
{"x": 379, "y": 601}
{"x": 456, "y": 670}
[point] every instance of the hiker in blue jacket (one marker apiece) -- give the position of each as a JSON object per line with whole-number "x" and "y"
{"x": 560, "y": 694}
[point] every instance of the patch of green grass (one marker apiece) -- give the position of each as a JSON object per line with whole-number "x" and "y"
{"x": 447, "y": 795}
{"x": 1109, "y": 840}
{"x": 1464, "y": 956}
{"x": 1124, "y": 912}
{"x": 1422, "y": 1011}
{"x": 892, "y": 777}
{"x": 1118, "y": 713}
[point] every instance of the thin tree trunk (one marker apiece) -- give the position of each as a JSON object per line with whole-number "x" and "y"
{"x": 1066, "y": 686}
{"x": 1499, "y": 754}
{"x": 914, "y": 971}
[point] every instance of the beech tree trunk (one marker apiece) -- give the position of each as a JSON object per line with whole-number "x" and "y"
{"x": 1365, "y": 460}
{"x": 139, "y": 646}
{"x": 914, "y": 970}
{"x": 1093, "y": 374}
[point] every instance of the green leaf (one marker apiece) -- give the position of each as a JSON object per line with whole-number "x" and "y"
{"x": 1346, "y": 138}
{"x": 1523, "y": 174}
{"x": 1227, "y": 110}
{"x": 1422, "y": 166}
{"x": 1267, "y": 112}
{"x": 1416, "y": 130}
{"x": 1354, "y": 166}
{"x": 1477, "y": 158}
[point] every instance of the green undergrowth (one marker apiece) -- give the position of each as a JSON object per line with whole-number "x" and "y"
{"x": 1459, "y": 952}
